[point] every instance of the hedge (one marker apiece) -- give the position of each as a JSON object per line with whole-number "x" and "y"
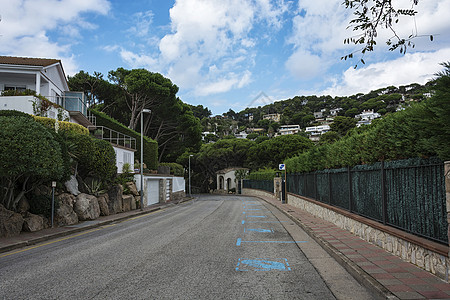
{"x": 62, "y": 125}
{"x": 150, "y": 146}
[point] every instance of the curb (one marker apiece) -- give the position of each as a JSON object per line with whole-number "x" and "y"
{"x": 380, "y": 291}
{"x": 44, "y": 238}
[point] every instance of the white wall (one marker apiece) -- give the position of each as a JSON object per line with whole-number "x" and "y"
{"x": 123, "y": 156}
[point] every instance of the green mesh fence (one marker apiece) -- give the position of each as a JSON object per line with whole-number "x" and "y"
{"x": 265, "y": 185}
{"x": 407, "y": 194}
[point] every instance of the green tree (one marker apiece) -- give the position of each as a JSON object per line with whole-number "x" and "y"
{"x": 274, "y": 151}
{"x": 342, "y": 125}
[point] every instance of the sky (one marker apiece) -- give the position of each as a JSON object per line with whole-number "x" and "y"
{"x": 226, "y": 54}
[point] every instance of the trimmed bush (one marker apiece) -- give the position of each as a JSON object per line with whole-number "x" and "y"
{"x": 14, "y": 113}
{"x": 62, "y": 125}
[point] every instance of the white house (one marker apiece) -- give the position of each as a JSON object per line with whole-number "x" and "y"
{"x": 241, "y": 135}
{"x": 226, "y": 179}
{"x": 272, "y": 117}
{"x": 366, "y": 117}
{"x": 47, "y": 78}
{"x": 316, "y": 131}
{"x": 289, "y": 129}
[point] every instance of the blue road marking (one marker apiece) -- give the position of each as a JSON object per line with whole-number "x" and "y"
{"x": 279, "y": 264}
{"x": 243, "y": 221}
{"x": 240, "y": 241}
{"x": 266, "y": 222}
{"x": 253, "y": 208}
{"x": 259, "y": 230}
{"x": 256, "y": 216}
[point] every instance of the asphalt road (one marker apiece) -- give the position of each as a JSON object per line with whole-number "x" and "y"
{"x": 217, "y": 247}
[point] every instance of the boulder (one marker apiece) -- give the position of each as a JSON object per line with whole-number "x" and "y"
{"x": 131, "y": 186}
{"x": 33, "y": 222}
{"x": 115, "y": 194}
{"x": 127, "y": 200}
{"x": 65, "y": 215}
{"x": 103, "y": 204}
{"x": 72, "y": 185}
{"x": 66, "y": 198}
{"x": 137, "y": 200}
{"x": 10, "y": 222}
{"x": 23, "y": 205}
{"x": 86, "y": 207}
{"x": 133, "y": 203}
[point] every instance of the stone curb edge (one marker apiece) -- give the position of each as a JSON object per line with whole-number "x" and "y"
{"x": 85, "y": 228}
{"x": 356, "y": 271}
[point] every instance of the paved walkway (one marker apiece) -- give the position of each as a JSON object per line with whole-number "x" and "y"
{"x": 373, "y": 266}
{"x": 30, "y": 238}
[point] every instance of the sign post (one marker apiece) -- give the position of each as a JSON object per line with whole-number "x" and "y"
{"x": 282, "y": 167}
{"x": 53, "y": 201}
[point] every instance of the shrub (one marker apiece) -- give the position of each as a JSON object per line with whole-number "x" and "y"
{"x": 62, "y": 125}
{"x": 14, "y": 113}
{"x": 175, "y": 169}
{"x": 29, "y": 154}
{"x": 263, "y": 174}
{"x": 42, "y": 205}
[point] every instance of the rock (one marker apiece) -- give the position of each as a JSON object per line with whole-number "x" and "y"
{"x": 33, "y": 222}
{"x": 23, "y": 205}
{"x": 131, "y": 186}
{"x": 137, "y": 200}
{"x": 115, "y": 194}
{"x": 127, "y": 199}
{"x": 66, "y": 198}
{"x": 72, "y": 185}
{"x": 86, "y": 207}
{"x": 133, "y": 203}
{"x": 10, "y": 222}
{"x": 103, "y": 204}
{"x": 65, "y": 215}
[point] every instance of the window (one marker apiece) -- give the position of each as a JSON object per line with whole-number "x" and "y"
{"x": 19, "y": 88}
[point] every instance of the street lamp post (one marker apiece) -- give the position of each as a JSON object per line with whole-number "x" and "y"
{"x": 142, "y": 156}
{"x": 190, "y": 195}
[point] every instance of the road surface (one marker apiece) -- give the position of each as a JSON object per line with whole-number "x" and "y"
{"x": 216, "y": 247}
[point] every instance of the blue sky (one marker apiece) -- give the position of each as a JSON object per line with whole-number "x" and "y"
{"x": 225, "y": 53}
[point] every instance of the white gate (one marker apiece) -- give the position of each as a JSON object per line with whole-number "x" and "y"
{"x": 152, "y": 191}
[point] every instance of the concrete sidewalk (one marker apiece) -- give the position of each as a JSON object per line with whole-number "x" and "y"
{"x": 26, "y": 239}
{"x": 380, "y": 271}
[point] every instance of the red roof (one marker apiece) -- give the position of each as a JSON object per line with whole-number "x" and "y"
{"x": 28, "y": 61}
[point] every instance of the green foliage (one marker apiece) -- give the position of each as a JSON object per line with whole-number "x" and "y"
{"x": 341, "y": 125}
{"x": 263, "y": 174}
{"x": 62, "y": 125}
{"x": 40, "y": 154}
{"x": 14, "y": 113}
{"x": 274, "y": 151}
{"x": 104, "y": 164}
{"x": 252, "y": 136}
{"x": 95, "y": 187}
{"x": 95, "y": 158}
{"x": 150, "y": 146}
{"x": 42, "y": 205}
{"x": 420, "y": 131}
{"x": 175, "y": 169}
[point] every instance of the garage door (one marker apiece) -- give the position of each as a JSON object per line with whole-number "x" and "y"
{"x": 152, "y": 192}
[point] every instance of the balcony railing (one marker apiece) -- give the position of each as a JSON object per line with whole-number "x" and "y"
{"x": 112, "y": 136}
{"x": 74, "y": 102}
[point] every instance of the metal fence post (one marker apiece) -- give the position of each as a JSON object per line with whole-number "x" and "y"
{"x": 329, "y": 187}
{"x": 383, "y": 193}
{"x": 447, "y": 194}
{"x": 350, "y": 196}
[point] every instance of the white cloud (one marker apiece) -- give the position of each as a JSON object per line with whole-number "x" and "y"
{"x": 410, "y": 68}
{"x": 138, "y": 60}
{"x": 304, "y": 65}
{"x": 215, "y": 33}
{"x": 143, "y": 21}
{"x": 26, "y": 24}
